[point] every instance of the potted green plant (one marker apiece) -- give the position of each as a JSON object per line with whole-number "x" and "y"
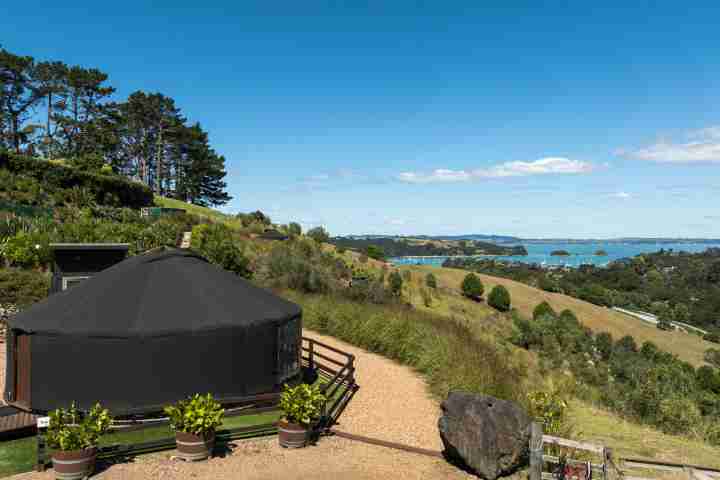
{"x": 195, "y": 421}
{"x": 74, "y": 436}
{"x": 301, "y": 405}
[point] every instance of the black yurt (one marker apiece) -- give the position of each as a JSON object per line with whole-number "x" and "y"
{"x": 148, "y": 331}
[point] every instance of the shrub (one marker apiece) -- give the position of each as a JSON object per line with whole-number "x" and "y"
{"x": 550, "y": 409}
{"x": 712, "y": 356}
{"x": 626, "y": 345}
{"x": 301, "y": 404}
{"x": 22, "y": 287}
{"x": 373, "y": 251}
{"x": 431, "y": 281}
{"x": 73, "y": 430}
{"x": 604, "y": 345}
{"x": 426, "y": 297}
{"x": 107, "y": 189}
{"x": 713, "y": 337}
{"x": 396, "y": 283}
{"x": 294, "y": 229}
{"x": 543, "y": 308}
{"x": 664, "y": 325}
{"x": 319, "y": 234}
{"x": 499, "y": 298}
{"x": 472, "y": 286}
{"x": 678, "y": 415}
{"x": 215, "y": 242}
{"x": 199, "y": 414}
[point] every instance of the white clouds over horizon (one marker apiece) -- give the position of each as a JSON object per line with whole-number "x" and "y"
{"x": 543, "y": 166}
{"x": 702, "y": 146}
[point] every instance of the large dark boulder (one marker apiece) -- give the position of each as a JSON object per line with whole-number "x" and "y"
{"x": 484, "y": 434}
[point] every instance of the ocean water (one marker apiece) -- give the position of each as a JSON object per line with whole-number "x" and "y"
{"x": 580, "y": 253}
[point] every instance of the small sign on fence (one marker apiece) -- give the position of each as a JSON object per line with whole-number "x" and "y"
{"x": 43, "y": 422}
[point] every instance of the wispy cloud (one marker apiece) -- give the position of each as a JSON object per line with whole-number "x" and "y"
{"x": 622, "y": 195}
{"x": 701, "y": 146}
{"x": 543, "y": 166}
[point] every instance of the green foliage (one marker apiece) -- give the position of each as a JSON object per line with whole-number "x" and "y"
{"x": 604, "y": 345}
{"x": 199, "y": 414}
{"x": 319, "y": 234}
{"x": 215, "y": 242}
{"x": 22, "y": 287}
{"x": 452, "y": 355}
{"x": 21, "y": 251}
{"x": 431, "y": 281}
{"x": 550, "y": 409}
{"x": 294, "y": 229}
{"x": 713, "y": 337}
{"x": 712, "y": 356}
{"x": 70, "y": 429}
{"x": 426, "y": 297}
{"x": 542, "y": 309}
{"x": 396, "y": 283}
{"x": 105, "y": 189}
{"x": 472, "y": 286}
{"x": 302, "y": 265}
{"x": 301, "y": 404}
{"x": 373, "y": 251}
{"x": 499, "y": 298}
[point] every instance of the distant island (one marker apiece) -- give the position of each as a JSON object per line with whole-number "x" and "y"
{"x": 600, "y": 253}
{"x": 560, "y": 253}
{"x": 425, "y": 247}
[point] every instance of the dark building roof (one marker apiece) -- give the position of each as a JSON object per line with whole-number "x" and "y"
{"x": 273, "y": 235}
{"x": 156, "y": 294}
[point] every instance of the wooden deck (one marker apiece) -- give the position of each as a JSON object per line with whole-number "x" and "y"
{"x": 14, "y": 421}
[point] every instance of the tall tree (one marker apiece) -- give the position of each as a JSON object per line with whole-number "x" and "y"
{"x": 19, "y": 95}
{"x": 51, "y": 78}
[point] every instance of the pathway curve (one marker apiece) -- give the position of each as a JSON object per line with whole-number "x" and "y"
{"x": 392, "y": 404}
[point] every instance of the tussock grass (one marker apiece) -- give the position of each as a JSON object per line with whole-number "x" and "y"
{"x": 452, "y": 355}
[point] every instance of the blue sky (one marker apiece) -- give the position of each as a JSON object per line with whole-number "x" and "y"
{"x": 428, "y": 117}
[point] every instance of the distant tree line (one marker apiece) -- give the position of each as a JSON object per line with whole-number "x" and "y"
{"x": 55, "y": 111}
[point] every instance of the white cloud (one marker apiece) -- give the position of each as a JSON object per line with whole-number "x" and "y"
{"x": 543, "y": 166}
{"x": 703, "y": 146}
{"x": 396, "y": 221}
{"x": 622, "y": 195}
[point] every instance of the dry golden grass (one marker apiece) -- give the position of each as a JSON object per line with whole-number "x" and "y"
{"x": 524, "y": 298}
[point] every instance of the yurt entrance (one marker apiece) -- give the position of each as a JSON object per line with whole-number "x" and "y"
{"x": 21, "y": 369}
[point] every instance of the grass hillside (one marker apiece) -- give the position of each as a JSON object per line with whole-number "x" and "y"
{"x": 206, "y": 212}
{"x": 524, "y": 298}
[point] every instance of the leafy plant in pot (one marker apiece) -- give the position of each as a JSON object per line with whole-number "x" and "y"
{"x": 301, "y": 405}
{"x": 195, "y": 421}
{"x": 74, "y": 435}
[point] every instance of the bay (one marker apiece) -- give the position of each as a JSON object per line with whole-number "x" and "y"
{"x": 580, "y": 253}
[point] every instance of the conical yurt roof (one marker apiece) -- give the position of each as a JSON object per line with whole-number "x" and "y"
{"x": 163, "y": 292}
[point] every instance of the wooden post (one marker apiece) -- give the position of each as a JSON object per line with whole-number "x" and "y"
{"x": 536, "y": 451}
{"x": 607, "y": 462}
{"x": 311, "y": 355}
{"x": 41, "y": 454}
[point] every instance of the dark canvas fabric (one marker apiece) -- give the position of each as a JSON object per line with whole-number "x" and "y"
{"x": 152, "y": 330}
{"x": 168, "y": 292}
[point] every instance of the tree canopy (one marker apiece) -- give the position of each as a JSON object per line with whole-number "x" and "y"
{"x": 52, "y": 110}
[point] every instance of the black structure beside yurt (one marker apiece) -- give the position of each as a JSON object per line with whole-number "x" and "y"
{"x": 76, "y": 262}
{"x": 148, "y": 331}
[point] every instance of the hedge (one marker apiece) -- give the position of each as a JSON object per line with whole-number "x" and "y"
{"x": 107, "y": 189}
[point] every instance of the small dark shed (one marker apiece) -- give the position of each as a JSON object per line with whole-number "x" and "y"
{"x": 75, "y": 262}
{"x": 149, "y": 331}
{"x": 273, "y": 235}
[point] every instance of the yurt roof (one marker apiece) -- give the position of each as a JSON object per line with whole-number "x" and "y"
{"x": 160, "y": 293}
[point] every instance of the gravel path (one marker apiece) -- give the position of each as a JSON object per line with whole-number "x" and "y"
{"x": 392, "y": 404}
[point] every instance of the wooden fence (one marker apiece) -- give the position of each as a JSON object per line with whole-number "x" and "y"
{"x": 609, "y": 467}
{"x": 335, "y": 368}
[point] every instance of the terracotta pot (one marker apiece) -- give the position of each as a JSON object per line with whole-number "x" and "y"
{"x": 74, "y": 464}
{"x": 194, "y": 447}
{"x": 292, "y": 435}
